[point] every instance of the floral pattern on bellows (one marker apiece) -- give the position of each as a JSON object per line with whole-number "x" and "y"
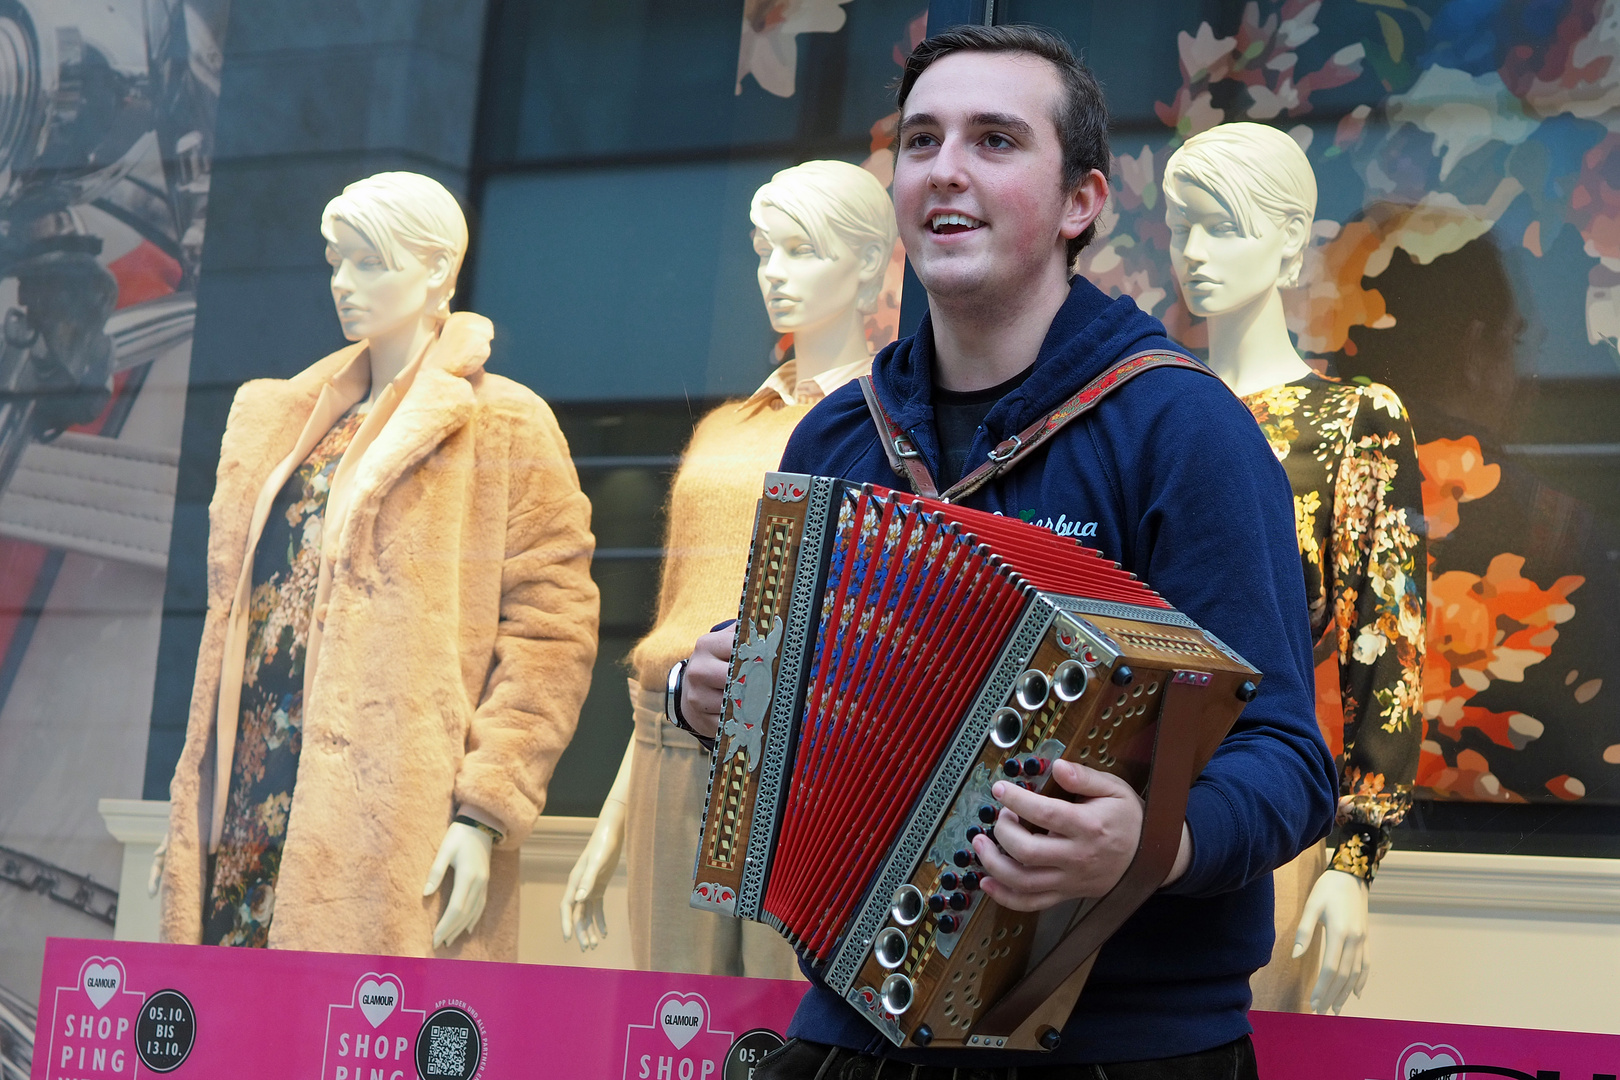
{"x": 269, "y": 733}
{"x": 1352, "y": 463}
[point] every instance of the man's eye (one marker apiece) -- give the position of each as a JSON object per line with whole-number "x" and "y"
{"x": 921, "y": 141}
{"x": 998, "y": 142}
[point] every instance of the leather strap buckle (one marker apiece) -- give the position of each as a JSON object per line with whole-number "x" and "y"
{"x": 903, "y": 448}
{"x": 1008, "y": 448}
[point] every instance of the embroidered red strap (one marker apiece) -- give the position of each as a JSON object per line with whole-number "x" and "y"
{"x": 906, "y": 461}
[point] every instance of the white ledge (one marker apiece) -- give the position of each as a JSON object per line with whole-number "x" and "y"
{"x": 135, "y": 821}
{"x": 1440, "y": 882}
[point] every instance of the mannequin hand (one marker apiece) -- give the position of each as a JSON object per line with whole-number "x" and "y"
{"x": 1086, "y": 848}
{"x": 154, "y": 878}
{"x": 1339, "y": 902}
{"x": 466, "y": 851}
{"x": 583, "y": 917}
{"x": 703, "y": 687}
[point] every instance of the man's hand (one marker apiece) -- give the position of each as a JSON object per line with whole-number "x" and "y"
{"x": 703, "y": 686}
{"x": 1085, "y": 850}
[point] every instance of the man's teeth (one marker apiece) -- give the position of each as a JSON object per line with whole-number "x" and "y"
{"x": 941, "y": 220}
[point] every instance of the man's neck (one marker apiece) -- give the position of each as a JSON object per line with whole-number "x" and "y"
{"x": 980, "y": 343}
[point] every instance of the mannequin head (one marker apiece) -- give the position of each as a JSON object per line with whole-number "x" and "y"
{"x": 395, "y": 243}
{"x": 1239, "y": 200}
{"x": 824, "y": 231}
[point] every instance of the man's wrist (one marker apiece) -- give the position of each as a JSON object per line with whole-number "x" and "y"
{"x": 672, "y": 704}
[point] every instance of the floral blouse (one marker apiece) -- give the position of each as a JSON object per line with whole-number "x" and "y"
{"x": 1358, "y": 509}
{"x": 269, "y": 732}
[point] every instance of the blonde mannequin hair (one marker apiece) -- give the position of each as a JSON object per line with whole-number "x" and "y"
{"x": 835, "y": 198}
{"x": 395, "y": 210}
{"x": 1259, "y": 172}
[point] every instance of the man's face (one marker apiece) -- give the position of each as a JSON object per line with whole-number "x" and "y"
{"x": 978, "y": 178}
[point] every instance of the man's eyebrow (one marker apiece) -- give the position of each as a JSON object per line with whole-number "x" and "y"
{"x": 1005, "y": 121}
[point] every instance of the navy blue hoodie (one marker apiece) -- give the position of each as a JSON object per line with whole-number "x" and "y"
{"x": 1170, "y": 476}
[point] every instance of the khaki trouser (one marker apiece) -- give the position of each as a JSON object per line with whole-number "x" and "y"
{"x": 1284, "y": 984}
{"x": 669, "y": 779}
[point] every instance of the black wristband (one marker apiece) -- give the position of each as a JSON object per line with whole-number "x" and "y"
{"x": 672, "y": 704}
{"x": 490, "y": 830}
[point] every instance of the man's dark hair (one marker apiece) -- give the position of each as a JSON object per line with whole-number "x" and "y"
{"x": 1082, "y": 114}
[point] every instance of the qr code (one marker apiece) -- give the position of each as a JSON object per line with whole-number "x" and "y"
{"x": 447, "y": 1051}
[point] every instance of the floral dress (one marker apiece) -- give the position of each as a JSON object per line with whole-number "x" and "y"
{"x": 269, "y": 732}
{"x": 1358, "y": 509}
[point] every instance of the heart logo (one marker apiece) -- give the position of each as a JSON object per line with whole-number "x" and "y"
{"x": 1421, "y": 1057}
{"x": 102, "y": 980}
{"x": 379, "y": 997}
{"x": 681, "y": 1017}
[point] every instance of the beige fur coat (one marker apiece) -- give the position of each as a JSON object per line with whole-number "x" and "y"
{"x": 459, "y": 632}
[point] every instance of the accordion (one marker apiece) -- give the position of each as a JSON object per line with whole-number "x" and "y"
{"x": 894, "y": 657}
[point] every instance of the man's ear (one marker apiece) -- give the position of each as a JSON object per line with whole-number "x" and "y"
{"x": 1086, "y": 202}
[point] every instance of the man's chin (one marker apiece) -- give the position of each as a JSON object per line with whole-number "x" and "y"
{"x": 949, "y": 279}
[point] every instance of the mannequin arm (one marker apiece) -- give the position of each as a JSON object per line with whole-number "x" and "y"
{"x": 1339, "y": 902}
{"x": 583, "y": 917}
{"x": 154, "y": 878}
{"x": 466, "y": 851}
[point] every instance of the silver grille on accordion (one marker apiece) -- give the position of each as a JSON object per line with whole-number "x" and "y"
{"x": 894, "y": 657}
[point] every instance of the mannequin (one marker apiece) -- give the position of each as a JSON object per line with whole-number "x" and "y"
{"x": 349, "y": 729}
{"x": 1239, "y": 200}
{"x": 824, "y": 232}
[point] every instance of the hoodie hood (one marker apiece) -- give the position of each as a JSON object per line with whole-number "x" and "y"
{"x": 1088, "y": 333}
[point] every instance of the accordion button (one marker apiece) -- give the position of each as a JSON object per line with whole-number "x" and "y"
{"x": 948, "y": 924}
{"x": 1011, "y": 767}
{"x": 1034, "y": 766}
{"x": 947, "y": 881}
{"x": 936, "y": 903}
{"x": 963, "y": 858}
{"x": 972, "y": 831}
{"x": 987, "y": 814}
{"x": 970, "y": 881}
{"x": 1122, "y": 675}
{"x": 958, "y": 901}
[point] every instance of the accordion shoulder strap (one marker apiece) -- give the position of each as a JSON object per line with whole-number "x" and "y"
{"x": 906, "y": 461}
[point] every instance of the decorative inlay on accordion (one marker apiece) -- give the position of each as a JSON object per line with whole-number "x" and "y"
{"x": 894, "y": 657}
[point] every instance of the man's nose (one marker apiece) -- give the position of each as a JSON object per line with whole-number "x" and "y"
{"x": 948, "y": 170}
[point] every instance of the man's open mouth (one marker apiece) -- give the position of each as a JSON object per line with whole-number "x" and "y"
{"x": 949, "y": 224}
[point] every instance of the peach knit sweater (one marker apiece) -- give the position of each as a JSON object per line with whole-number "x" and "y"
{"x": 711, "y": 521}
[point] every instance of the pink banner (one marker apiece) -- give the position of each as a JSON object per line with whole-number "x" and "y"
{"x": 120, "y": 1009}
{"x": 1292, "y": 1047}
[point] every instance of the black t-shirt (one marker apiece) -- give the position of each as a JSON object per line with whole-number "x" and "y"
{"x": 958, "y": 415}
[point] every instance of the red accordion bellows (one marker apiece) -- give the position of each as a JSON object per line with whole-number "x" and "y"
{"x": 920, "y": 597}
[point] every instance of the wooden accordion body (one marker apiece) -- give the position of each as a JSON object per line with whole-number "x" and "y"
{"x": 894, "y": 657}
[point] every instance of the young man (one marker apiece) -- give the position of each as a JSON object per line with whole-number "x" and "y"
{"x": 999, "y": 177}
